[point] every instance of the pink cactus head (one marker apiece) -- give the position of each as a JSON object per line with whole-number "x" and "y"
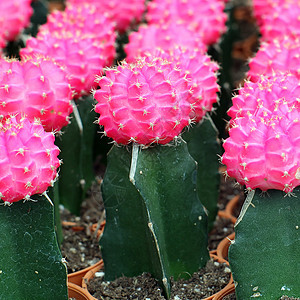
{"x": 145, "y": 102}
{"x": 277, "y": 55}
{"x": 261, "y": 8}
{"x": 206, "y": 17}
{"x": 38, "y": 88}
{"x": 28, "y": 159}
{"x": 122, "y": 13}
{"x": 150, "y": 37}
{"x": 14, "y": 17}
{"x": 283, "y": 21}
{"x": 83, "y": 48}
{"x": 201, "y": 74}
{"x": 263, "y": 148}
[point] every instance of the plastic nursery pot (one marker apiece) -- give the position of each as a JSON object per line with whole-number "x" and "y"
{"x": 222, "y": 249}
{"x": 77, "y": 292}
{"x": 229, "y": 284}
{"x": 98, "y": 228}
{"x": 229, "y": 289}
{"x": 76, "y": 277}
{"x": 231, "y": 205}
{"x": 225, "y": 215}
{"x": 73, "y": 225}
{"x": 89, "y": 275}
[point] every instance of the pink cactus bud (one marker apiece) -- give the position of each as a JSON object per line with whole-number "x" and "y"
{"x": 150, "y": 37}
{"x": 261, "y": 8}
{"x": 201, "y": 74}
{"x": 14, "y": 17}
{"x": 38, "y": 88}
{"x": 278, "y": 55}
{"x": 263, "y": 148}
{"x": 282, "y": 21}
{"x": 145, "y": 102}
{"x": 28, "y": 159}
{"x": 79, "y": 39}
{"x": 205, "y": 17}
{"x": 123, "y": 13}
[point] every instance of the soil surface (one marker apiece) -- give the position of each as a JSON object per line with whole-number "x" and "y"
{"x": 81, "y": 249}
{"x": 202, "y": 284}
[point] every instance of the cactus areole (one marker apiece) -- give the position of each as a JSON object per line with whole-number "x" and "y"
{"x": 28, "y": 159}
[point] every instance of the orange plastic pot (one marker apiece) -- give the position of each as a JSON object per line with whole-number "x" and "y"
{"x": 89, "y": 275}
{"x": 231, "y": 205}
{"x": 225, "y": 215}
{"x": 224, "y": 289}
{"x": 77, "y": 292}
{"x": 99, "y": 229}
{"x": 222, "y": 249}
{"x": 75, "y": 227}
{"x": 224, "y": 292}
{"x": 76, "y": 277}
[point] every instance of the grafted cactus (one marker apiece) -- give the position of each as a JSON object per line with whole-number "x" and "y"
{"x": 263, "y": 153}
{"x": 31, "y": 266}
{"x": 150, "y": 187}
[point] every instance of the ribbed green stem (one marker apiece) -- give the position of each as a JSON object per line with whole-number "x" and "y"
{"x": 76, "y": 145}
{"x": 31, "y": 266}
{"x": 204, "y": 147}
{"x": 54, "y": 195}
{"x": 265, "y": 256}
{"x": 152, "y": 208}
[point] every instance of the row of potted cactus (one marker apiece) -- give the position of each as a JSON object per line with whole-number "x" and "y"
{"x": 160, "y": 189}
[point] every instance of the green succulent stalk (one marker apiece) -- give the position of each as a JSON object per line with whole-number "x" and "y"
{"x": 203, "y": 145}
{"x": 76, "y": 144}
{"x": 31, "y": 265}
{"x": 152, "y": 208}
{"x": 265, "y": 256}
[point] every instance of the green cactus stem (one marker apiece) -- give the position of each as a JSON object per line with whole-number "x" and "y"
{"x": 154, "y": 220}
{"x": 265, "y": 256}
{"x": 76, "y": 145}
{"x": 53, "y": 193}
{"x": 204, "y": 147}
{"x": 31, "y": 265}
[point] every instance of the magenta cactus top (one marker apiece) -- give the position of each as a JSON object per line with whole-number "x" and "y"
{"x": 263, "y": 148}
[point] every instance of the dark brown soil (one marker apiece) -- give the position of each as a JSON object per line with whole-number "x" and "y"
{"x": 202, "y": 284}
{"x": 80, "y": 247}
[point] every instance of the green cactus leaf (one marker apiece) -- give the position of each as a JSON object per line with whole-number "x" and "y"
{"x": 204, "y": 147}
{"x": 265, "y": 256}
{"x": 76, "y": 145}
{"x": 156, "y": 213}
{"x": 31, "y": 266}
